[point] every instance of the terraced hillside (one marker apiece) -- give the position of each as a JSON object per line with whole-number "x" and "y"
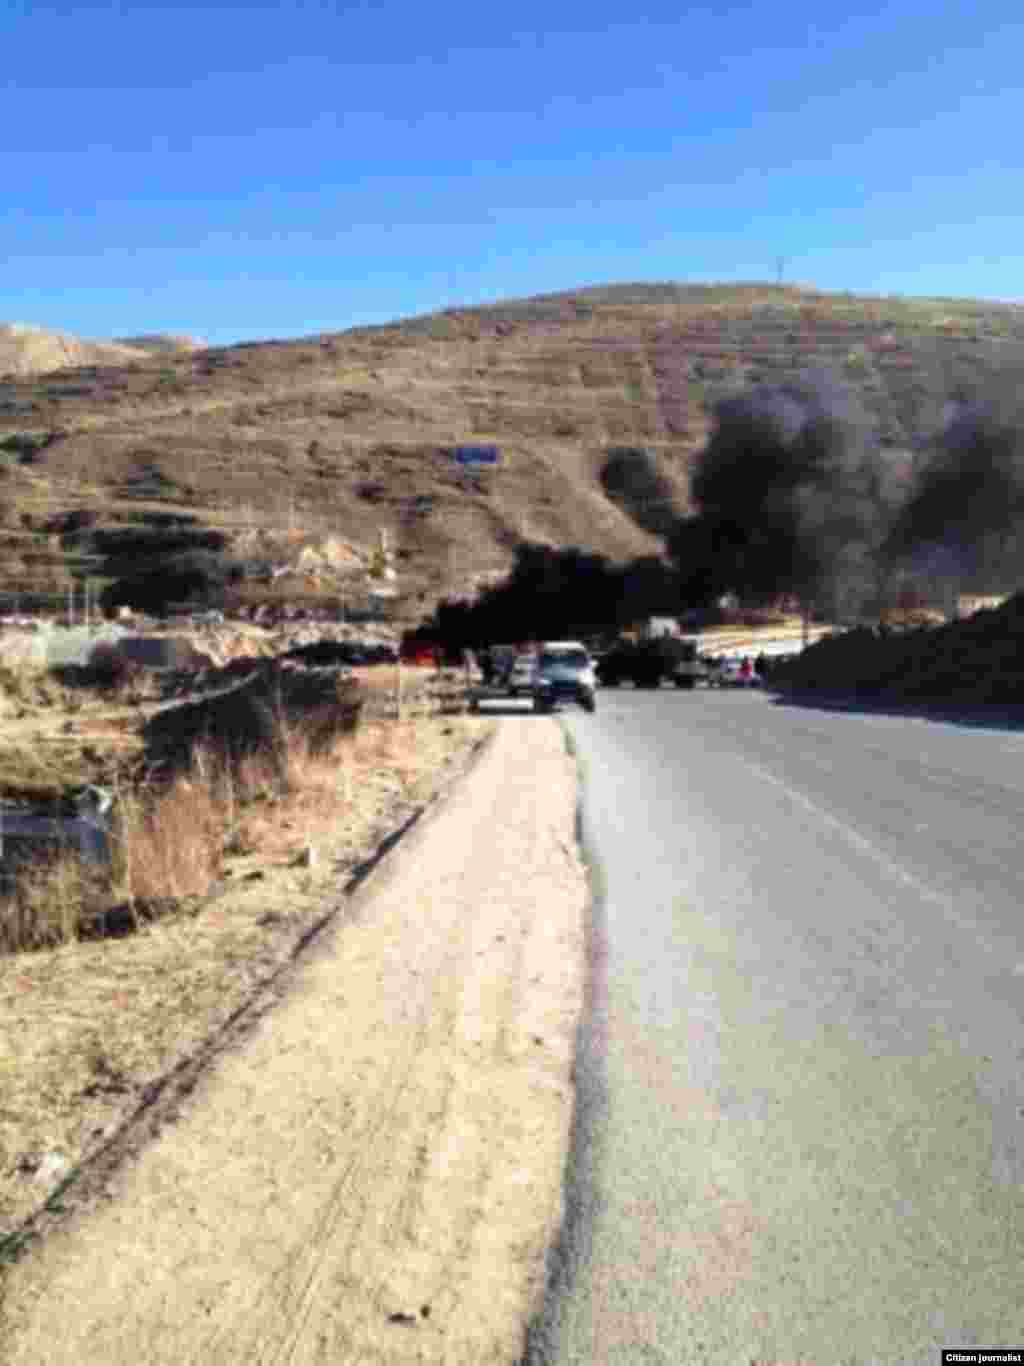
{"x": 352, "y": 433}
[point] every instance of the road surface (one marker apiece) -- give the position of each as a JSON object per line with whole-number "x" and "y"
{"x": 800, "y": 1124}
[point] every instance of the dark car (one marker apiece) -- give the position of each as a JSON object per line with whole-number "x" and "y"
{"x": 565, "y": 672}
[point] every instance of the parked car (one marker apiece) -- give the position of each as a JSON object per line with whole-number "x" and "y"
{"x": 522, "y": 677}
{"x": 565, "y": 672}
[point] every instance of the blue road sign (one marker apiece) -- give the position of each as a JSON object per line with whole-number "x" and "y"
{"x": 477, "y": 455}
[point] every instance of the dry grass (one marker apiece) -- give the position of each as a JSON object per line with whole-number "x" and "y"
{"x": 55, "y": 897}
{"x": 168, "y": 843}
{"x": 87, "y": 1025}
{"x": 23, "y": 685}
{"x": 169, "y": 840}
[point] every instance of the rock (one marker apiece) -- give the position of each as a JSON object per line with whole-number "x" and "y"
{"x": 53, "y": 1167}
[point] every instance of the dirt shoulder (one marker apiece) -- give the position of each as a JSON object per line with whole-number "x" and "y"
{"x": 92, "y": 1031}
{"x": 373, "y": 1170}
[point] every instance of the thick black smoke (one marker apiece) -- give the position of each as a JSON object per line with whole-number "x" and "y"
{"x": 964, "y": 516}
{"x": 790, "y": 497}
{"x": 557, "y": 593}
{"x": 793, "y": 495}
{"x": 630, "y": 478}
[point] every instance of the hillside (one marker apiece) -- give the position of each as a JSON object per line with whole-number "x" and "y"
{"x": 27, "y": 350}
{"x": 160, "y": 343}
{"x": 351, "y": 433}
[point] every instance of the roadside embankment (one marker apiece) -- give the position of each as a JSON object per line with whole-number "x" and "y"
{"x": 374, "y": 1172}
{"x": 977, "y": 661}
{"x": 111, "y": 975}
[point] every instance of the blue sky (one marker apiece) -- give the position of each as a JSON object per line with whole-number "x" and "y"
{"x": 244, "y": 171}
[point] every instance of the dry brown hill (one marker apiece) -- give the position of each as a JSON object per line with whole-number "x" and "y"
{"x": 160, "y": 343}
{"x": 27, "y": 350}
{"x": 352, "y": 433}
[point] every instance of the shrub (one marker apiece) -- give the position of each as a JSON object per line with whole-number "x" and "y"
{"x": 110, "y": 670}
{"x": 975, "y": 660}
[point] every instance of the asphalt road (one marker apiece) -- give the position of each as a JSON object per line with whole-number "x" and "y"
{"x": 800, "y": 1127}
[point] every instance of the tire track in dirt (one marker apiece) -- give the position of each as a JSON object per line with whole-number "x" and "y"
{"x": 374, "y": 1175}
{"x": 303, "y": 1280}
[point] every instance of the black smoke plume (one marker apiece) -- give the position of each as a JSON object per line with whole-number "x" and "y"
{"x": 557, "y": 593}
{"x": 791, "y": 497}
{"x": 964, "y": 515}
{"x": 630, "y": 478}
{"x": 787, "y": 489}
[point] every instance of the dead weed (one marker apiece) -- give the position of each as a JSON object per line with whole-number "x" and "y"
{"x": 87, "y": 1027}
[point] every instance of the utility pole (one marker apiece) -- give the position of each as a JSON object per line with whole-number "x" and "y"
{"x": 780, "y": 263}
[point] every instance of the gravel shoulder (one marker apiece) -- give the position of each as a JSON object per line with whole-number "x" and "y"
{"x": 374, "y": 1171}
